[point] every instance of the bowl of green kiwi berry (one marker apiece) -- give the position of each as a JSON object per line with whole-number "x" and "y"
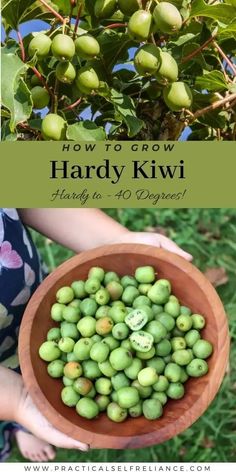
{"x": 124, "y": 346}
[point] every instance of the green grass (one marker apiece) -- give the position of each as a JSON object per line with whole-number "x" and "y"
{"x": 210, "y": 235}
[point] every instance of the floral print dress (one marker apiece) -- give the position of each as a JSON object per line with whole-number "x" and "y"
{"x": 20, "y": 274}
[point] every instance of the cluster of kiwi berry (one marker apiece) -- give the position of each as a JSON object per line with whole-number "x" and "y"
{"x": 123, "y": 345}
{"x": 150, "y": 60}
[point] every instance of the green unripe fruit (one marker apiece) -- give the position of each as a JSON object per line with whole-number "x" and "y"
{"x": 178, "y": 342}
{"x": 175, "y": 391}
{"x": 104, "y": 8}
{"x": 65, "y": 72}
{"x": 67, "y": 382}
{"x": 160, "y": 291}
{"x": 191, "y": 337}
{"x": 172, "y": 307}
{"x": 56, "y": 368}
{"x": 181, "y": 357}
{"x": 87, "y": 46}
{"x": 177, "y": 96}
{"x": 127, "y": 397}
{"x": 167, "y": 18}
{"x": 92, "y": 285}
{"x": 88, "y": 307}
{"x": 139, "y": 26}
{"x": 202, "y": 349}
{"x": 128, "y": 7}
{"x": 102, "y": 310}
{"x": 99, "y": 352}
{"x": 136, "y": 410}
{"x": 144, "y": 392}
{"x": 91, "y": 369}
{"x": 147, "y": 62}
{"x": 71, "y": 314}
{"x": 54, "y": 129}
{"x": 146, "y": 355}
{"x": 40, "y": 97}
{"x": 172, "y": 372}
{"x": 54, "y": 334}
{"x": 56, "y": 311}
{"x": 132, "y": 371}
{"x": 87, "y": 326}
{"x": 184, "y": 310}
{"x": 143, "y": 288}
{"x": 107, "y": 369}
{"x": 141, "y": 300}
{"x": 69, "y": 330}
{"x": 78, "y": 288}
{"x": 118, "y": 314}
{"x": 35, "y": 80}
{"x": 116, "y": 413}
{"x": 102, "y": 402}
{"x": 167, "y": 320}
{"x": 158, "y": 363}
{"x": 41, "y": 45}
{"x": 147, "y": 376}
{"x": 66, "y": 344}
{"x": 110, "y": 276}
{"x": 82, "y": 349}
{"x": 157, "y": 330}
{"x": 87, "y": 408}
{"x": 111, "y": 342}
{"x": 103, "y": 386}
{"x": 197, "y": 368}
{"x": 127, "y": 280}
{"x": 163, "y": 348}
{"x": 63, "y": 47}
{"x": 87, "y": 80}
{"x": 120, "y": 358}
{"x": 152, "y": 409}
{"x": 161, "y": 396}
{"x": 97, "y": 273}
{"x": 198, "y": 321}
{"x": 49, "y": 351}
{"x": 146, "y": 274}
{"x": 119, "y": 381}
{"x": 161, "y": 385}
{"x": 69, "y": 396}
{"x": 184, "y": 322}
{"x": 120, "y": 331}
{"x": 102, "y": 296}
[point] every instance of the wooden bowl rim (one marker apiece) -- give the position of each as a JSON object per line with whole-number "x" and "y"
{"x": 98, "y": 439}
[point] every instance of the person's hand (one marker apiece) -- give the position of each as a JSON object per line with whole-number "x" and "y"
{"x": 153, "y": 239}
{"x": 30, "y": 417}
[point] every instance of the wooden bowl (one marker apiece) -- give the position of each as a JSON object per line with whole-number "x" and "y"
{"x": 193, "y": 290}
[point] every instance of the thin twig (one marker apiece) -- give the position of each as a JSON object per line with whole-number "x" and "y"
{"x": 77, "y": 20}
{"x": 227, "y": 60}
{"x": 213, "y": 106}
{"x": 54, "y": 12}
{"x": 21, "y": 44}
{"x": 73, "y": 105}
{"x": 196, "y": 51}
{"x": 41, "y": 78}
{"x": 116, "y": 25}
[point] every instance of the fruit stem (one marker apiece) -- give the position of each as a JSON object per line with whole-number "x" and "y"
{"x": 41, "y": 78}
{"x": 54, "y": 12}
{"x": 196, "y": 51}
{"x": 21, "y": 44}
{"x": 214, "y": 106}
{"x": 77, "y": 20}
{"x": 55, "y": 96}
{"x": 73, "y": 105}
{"x": 116, "y": 25}
{"x": 227, "y": 60}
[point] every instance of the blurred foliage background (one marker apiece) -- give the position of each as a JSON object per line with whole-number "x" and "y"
{"x": 210, "y": 236}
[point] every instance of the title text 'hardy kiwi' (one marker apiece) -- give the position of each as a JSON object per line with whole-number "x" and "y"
{"x": 141, "y": 169}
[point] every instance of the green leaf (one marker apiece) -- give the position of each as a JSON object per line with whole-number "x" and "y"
{"x": 222, "y": 12}
{"x": 16, "y": 96}
{"x": 6, "y": 134}
{"x": 85, "y": 131}
{"x": 213, "y": 81}
{"x": 124, "y": 106}
{"x": 227, "y": 32}
{"x": 16, "y": 12}
{"x": 114, "y": 47}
